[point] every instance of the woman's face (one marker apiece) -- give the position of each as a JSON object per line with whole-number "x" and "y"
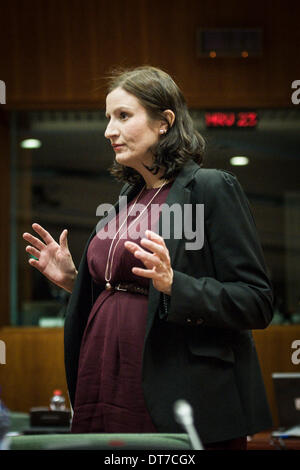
{"x": 129, "y": 129}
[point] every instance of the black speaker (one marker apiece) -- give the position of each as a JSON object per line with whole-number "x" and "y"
{"x": 235, "y": 42}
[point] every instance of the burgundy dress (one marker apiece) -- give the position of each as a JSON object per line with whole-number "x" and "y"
{"x": 109, "y": 396}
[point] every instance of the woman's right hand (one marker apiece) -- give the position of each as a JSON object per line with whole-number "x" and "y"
{"x": 53, "y": 260}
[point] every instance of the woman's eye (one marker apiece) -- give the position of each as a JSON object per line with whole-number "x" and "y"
{"x": 123, "y": 115}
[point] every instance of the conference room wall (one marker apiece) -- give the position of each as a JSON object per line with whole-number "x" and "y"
{"x": 35, "y": 365}
{"x": 53, "y": 54}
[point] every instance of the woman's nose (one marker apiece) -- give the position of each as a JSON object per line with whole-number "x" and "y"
{"x": 110, "y": 131}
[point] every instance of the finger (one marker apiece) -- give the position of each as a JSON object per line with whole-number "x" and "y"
{"x": 34, "y": 241}
{"x": 150, "y": 274}
{"x": 63, "y": 240}
{"x": 161, "y": 251}
{"x": 43, "y": 233}
{"x": 33, "y": 252}
{"x": 131, "y": 246}
{"x": 33, "y": 262}
{"x": 148, "y": 258}
{"x": 155, "y": 237}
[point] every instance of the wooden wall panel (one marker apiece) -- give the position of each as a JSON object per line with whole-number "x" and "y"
{"x": 275, "y": 354}
{"x": 53, "y": 53}
{"x": 35, "y": 365}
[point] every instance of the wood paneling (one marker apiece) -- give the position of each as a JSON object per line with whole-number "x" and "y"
{"x": 54, "y": 54}
{"x": 35, "y": 366}
{"x": 275, "y": 354}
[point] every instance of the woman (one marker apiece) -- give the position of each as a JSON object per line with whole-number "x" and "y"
{"x": 149, "y": 320}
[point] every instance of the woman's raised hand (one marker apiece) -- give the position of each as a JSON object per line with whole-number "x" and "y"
{"x": 52, "y": 259}
{"x": 158, "y": 262}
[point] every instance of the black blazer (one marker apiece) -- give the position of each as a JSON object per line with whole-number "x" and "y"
{"x": 198, "y": 344}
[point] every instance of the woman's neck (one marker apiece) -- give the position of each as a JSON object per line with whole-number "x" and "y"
{"x": 151, "y": 180}
{"x": 154, "y": 181}
{"x": 157, "y": 184}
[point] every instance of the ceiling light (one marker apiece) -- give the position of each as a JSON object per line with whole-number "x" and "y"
{"x": 31, "y": 144}
{"x": 239, "y": 161}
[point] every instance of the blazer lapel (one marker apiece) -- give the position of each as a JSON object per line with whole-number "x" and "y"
{"x": 178, "y": 194}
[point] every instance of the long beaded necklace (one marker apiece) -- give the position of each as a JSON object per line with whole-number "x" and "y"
{"x": 109, "y": 264}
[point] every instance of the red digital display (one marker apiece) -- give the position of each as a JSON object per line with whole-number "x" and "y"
{"x": 231, "y": 119}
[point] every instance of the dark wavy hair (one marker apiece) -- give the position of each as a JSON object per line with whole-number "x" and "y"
{"x": 157, "y": 92}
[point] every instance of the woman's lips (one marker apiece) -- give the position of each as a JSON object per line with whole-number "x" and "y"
{"x": 117, "y": 147}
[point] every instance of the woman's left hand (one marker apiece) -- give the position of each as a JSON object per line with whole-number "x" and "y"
{"x": 157, "y": 263}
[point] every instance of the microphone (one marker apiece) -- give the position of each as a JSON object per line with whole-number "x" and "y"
{"x": 184, "y": 416}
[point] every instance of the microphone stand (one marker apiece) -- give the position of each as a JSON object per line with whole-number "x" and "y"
{"x": 184, "y": 416}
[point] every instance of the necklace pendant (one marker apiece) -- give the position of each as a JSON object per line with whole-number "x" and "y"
{"x": 108, "y": 286}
